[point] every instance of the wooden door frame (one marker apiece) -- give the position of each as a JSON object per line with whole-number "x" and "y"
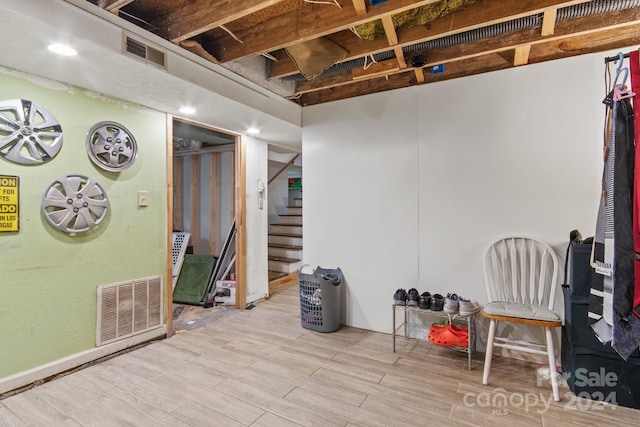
{"x": 239, "y": 176}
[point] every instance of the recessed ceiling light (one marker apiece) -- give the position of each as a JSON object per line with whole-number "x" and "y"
{"x": 62, "y": 49}
{"x": 253, "y": 131}
{"x": 188, "y": 110}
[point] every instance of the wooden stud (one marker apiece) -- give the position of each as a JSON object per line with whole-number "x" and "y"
{"x": 419, "y": 75}
{"x": 168, "y": 275}
{"x": 360, "y": 6}
{"x": 178, "y": 196}
{"x": 195, "y": 202}
{"x": 213, "y": 204}
{"x": 376, "y": 69}
{"x": 390, "y": 30}
{"x": 400, "y": 57}
{"x": 549, "y": 22}
{"x": 521, "y": 56}
{"x": 241, "y": 243}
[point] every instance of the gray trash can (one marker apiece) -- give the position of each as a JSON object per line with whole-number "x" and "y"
{"x": 320, "y": 295}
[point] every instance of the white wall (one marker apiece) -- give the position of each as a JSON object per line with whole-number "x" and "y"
{"x": 406, "y": 188}
{"x": 257, "y": 220}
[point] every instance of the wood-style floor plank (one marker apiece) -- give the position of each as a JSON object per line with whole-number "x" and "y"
{"x": 261, "y": 368}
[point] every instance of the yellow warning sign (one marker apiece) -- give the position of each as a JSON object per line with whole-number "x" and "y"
{"x": 9, "y": 212}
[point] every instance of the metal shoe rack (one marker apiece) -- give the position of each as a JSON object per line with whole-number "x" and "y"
{"x": 414, "y": 325}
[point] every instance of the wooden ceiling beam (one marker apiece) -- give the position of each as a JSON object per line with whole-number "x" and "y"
{"x": 551, "y": 50}
{"x": 488, "y": 12}
{"x": 200, "y": 16}
{"x": 277, "y": 33}
{"x": 610, "y": 23}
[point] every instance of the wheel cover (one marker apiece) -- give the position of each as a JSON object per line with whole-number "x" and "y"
{"x": 75, "y": 203}
{"x": 111, "y": 146}
{"x": 29, "y": 133}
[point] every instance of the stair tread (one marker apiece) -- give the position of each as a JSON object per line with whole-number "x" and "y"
{"x": 285, "y": 234}
{"x": 288, "y": 225}
{"x": 273, "y": 275}
{"x": 283, "y": 246}
{"x": 283, "y": 259}
{"x": 289, "y": 215}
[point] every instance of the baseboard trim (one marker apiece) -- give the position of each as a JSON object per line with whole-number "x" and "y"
{"x": 30, "y": 376}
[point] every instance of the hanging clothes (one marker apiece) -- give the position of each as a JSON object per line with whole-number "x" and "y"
{"x": 601, "y": 293}
{"x": 634, "y": 61}
{"x": 626, "y": 327}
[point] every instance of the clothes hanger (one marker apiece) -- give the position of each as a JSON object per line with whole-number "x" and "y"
{"x": 620, "y": 91}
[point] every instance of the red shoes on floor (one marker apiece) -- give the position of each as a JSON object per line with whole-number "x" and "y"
{"x": 449, "y": 335}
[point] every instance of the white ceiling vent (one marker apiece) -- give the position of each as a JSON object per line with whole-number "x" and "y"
{"x": 136, "y": 48}
{"x": 128, "y": 308}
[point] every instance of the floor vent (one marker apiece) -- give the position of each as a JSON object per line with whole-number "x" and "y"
{"x": 128, "y": 308}
{"x": 143, "y": 51}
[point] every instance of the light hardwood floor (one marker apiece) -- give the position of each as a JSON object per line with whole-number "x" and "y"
{"x": 259, "y": 367}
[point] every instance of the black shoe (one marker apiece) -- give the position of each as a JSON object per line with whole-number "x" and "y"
{"x": 413, "y": 297}
{"x": 425, "y": 301}
{"x": 437, "y": 302}
{"x": 400, "y": 297}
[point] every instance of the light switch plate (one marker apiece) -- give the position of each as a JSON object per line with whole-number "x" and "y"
{"x": 143, "y": 198}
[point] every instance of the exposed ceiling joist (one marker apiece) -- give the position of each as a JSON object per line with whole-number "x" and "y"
{"x": 468, "y": 36}
{"x": 196, "y": 17}
{"x": 488, "y": 12}
{"x": 272, "y": 34}
{"x": 556, "y": 49}
{"x": 623, "y": 22}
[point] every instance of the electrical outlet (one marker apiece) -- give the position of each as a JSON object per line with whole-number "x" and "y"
{"x": 143, "y": 198}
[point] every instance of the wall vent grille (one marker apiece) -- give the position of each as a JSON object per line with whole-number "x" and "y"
{"x": 143, "y": 51}
{"x": 128, "y": 308}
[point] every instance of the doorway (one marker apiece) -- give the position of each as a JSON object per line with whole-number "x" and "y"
{"x": 207, "y": 192}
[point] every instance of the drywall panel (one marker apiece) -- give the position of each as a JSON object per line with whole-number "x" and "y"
{"x": 503, "y": 153}
{"x": 49, "y": 278}
{"x": 360, "y": 175}
{"x": 257, "y": 219}
{"x": 406, "y": 188}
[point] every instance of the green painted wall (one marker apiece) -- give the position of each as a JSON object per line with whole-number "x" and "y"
{"x": 48, "y": 278}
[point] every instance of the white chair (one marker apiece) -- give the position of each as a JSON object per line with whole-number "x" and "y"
{"x": 521, "y": 275}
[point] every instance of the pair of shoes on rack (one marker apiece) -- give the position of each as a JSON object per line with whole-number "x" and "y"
{"x": 425, "y": 301}
{"x": 410, "y": 298}
{"x": 448, "y": 335}
{"x": 413, "y": 297}
{"x": 455, "y": 304}
{"x": 451, "y": 304}
{"x": 468, "y": 307}
{"x": 400, "y": 297}
{"x": 437, "y": 302}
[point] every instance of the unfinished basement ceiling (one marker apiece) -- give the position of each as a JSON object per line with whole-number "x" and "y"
{"x": 316, "y": 51}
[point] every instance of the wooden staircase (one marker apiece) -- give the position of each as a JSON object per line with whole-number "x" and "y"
{"x": 285, "y": 243}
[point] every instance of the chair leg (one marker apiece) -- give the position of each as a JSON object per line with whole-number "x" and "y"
{"x": 552, "y": 364}
{"x": 489, "y": 352}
